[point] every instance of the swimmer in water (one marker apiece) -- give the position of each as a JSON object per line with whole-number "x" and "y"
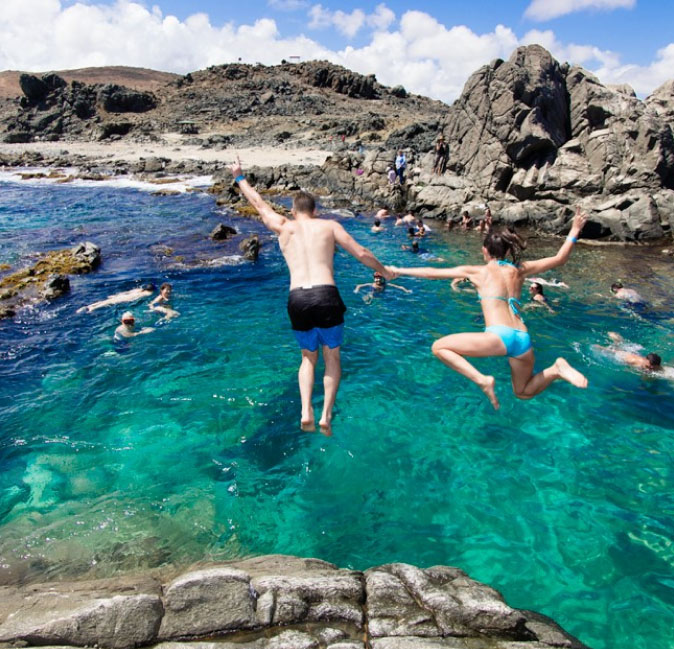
{"x": 499, "y": 284}
{"x": 648, "y": 363}
{"x": 133, "y": 295}
{"x": 128, "y": 327}
{"x": 538, "y": 297}
{"x": 162, "y": 303}
{"x": 626, "y": 294}
{"x": 377, "y": 227}
{"x": 378, "y": 285}
{"x": 547, "y": 282}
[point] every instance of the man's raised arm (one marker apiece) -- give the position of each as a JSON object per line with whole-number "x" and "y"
{"x": 270, "y": 218}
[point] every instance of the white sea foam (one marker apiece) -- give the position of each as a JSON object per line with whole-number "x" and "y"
{"x": 182, "y": 184}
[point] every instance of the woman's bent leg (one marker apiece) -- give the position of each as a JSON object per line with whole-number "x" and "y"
{"x": 452, "y": 349}
{"x": 527, "y": 385}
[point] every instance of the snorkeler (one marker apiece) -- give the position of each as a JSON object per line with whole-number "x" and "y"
{"x": 315, "y": 307}
{"x": 128, "y": 327}
{"x": 133, "y": 295}
{"x": 379, "y": 285}
{"x": 162, "y": 303}
{"x": 499, "y": 284}
{"x": 648, "y": 363}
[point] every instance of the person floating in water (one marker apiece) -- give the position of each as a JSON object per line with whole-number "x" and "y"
{"x": 128, "y": 327}
{"x": 315, "y": 307}
{"x": 499, "y": 284}
{"x": 378, "y": 285}
{"x": 648, "y": 363}
{"x": 133, "y": 295}
{"x": 162, "y": 303}
{"x": 538, "y": 297}
{"x": 626, "y": 294}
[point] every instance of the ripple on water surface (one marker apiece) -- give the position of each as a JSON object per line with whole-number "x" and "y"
{"x": 183, "y": 444}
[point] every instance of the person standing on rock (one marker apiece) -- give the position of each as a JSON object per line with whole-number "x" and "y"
{"x": 441, "y": 156}
{"x": 315, "y": 307}
{"x": 499, "y": 285}
{"x": 401, "y": 164}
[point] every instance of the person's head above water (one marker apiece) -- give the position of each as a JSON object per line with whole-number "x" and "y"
{"x": 498, "y": 245}
{"x": 536, "y": 289}
{"x": 415, "y": 246}
{"x": 148, "y": 287}
{"x": 411, "y": 232}
{"x": 616, "y": 286}
{"x": 379, "y": 278}
{"x": 654, "y": 361}
{"x": 377, "y": 223}
{"x": 127, "y": 318}
{"x": 304, "y": 203}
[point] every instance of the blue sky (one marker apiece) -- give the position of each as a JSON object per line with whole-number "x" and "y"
{"x": 430, "y": 47}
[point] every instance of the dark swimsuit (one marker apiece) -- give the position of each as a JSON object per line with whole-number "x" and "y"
{"x": 317, "y": 316}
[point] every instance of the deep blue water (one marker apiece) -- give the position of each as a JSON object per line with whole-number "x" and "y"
{"x": 184, "y": 444}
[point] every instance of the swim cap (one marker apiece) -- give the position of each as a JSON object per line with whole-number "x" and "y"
{"x": 127, "y": 315}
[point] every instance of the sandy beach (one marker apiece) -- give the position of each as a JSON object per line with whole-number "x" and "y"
{"x": 173, "y": 148}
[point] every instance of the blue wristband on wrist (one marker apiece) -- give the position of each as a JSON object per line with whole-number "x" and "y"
{"x": 239, "y": 178}
{"x": 572, "y": 239}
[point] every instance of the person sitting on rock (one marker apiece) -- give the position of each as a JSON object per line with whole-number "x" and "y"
{"x": 466, "y": 220}
{"x": 133, "y": 295}
{"x": 377, "y": 227}
{"x": 381, "y": 214}
{"x": 128, "y": 327}
{"x": 162, "y": 303}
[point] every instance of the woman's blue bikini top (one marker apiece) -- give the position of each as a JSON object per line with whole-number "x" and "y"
{"x": 513, "y": 302}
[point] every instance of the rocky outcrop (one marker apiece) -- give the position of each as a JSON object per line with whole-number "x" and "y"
{"x": 250, "y": 247}
{"x": 47, "y": 278}
{"x": 277, "y": 602}
{"x": 50, "y": 109}
{"x": 222, "y": 232}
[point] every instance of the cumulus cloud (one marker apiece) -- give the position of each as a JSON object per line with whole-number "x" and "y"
{"x": 547, "y": 9}
{"x": 418, "y": 52}
{"x": 349, "y": 24}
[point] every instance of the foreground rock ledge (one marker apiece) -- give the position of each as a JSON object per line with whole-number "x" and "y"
{"x": 276, "y": 602}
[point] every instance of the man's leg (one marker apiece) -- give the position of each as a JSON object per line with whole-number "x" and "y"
{"x": 333, "y": 374}
{"x": 306, "y": 380}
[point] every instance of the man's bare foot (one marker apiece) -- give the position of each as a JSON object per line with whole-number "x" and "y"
{"x": 488, "y": 388}
{"x": 308, "y": 423}
{"x": 566, "y": 372}
{"x": 325, "y": 426}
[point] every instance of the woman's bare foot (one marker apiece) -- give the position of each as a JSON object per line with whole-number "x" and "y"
{"x": 325, "y": 426}
{"x": 308, "y": 423}
{"x": 488, "y": 388}
{"x": 566, "y": 372}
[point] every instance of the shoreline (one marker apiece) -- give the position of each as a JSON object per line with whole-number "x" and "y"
{"x": 173, "y": 148}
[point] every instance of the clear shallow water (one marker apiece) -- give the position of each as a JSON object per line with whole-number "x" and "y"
{"x": 184, "y": 444}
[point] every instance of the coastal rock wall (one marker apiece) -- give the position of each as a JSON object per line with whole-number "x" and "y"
{"x": 281, "y": 603}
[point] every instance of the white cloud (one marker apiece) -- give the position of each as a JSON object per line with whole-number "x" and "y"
{"x": 349, "y": 24}
{"x": 418, "y": 52}
{"x": 287, "y": 5}
{"x": 547, "y": 9}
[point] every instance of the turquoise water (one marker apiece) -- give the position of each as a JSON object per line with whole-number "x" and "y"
{"x": 184, "y": 444}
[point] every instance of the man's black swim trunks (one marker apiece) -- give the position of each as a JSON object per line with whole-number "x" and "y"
{"x": 318, "y": 306}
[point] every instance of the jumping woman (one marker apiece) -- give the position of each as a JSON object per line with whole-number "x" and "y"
{"x": 499, "y": 284}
